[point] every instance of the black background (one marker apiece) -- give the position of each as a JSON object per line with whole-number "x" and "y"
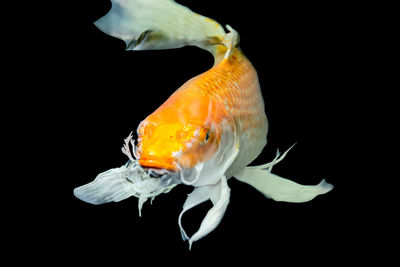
{"x": 93, "y": 93}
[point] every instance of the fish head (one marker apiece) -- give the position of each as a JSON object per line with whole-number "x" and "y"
{"x": 187, "y": 139}
{"x": 175, "y": 146}
{"x": 169, "y": 154}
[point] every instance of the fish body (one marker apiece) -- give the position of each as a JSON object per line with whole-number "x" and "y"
{"x": 206, "y": 132}
{"x": 227, "y": 95}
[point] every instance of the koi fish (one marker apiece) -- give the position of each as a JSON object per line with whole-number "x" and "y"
{"x": 206, "y": 132}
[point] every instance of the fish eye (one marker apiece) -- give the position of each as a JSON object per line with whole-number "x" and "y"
{"x": 207, "y": 136}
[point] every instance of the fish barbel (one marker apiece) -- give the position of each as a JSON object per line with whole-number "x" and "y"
{"x": 206, "y": 132}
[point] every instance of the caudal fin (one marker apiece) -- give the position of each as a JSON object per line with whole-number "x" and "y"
{"x": 158, "y": 24}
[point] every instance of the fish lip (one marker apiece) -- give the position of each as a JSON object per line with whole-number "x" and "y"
{"x": 158, "y": 164}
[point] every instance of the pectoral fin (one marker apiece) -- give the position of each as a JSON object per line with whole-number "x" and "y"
{"x": 108, "y": 186}
{"x": 281, "y": 189}
{"x": 219, "y": 195}
{"x": 198, "y": 196}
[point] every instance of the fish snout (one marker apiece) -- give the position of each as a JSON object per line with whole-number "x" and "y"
{"x": 157, "y": 151}
{"x": 166, "y": 164}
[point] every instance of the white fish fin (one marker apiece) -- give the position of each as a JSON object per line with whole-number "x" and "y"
{"x": 276, "y": 160}
{"x": 108, "y": 186}
{"x": 158, "y": 24}
{"x": 215, "y": 214}
{"x": 198, "y": 196}
{"x": 230, "y": 41}
{"x": 280, "y": 189}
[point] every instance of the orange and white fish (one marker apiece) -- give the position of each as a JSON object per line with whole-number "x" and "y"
{"x": 207, "y": 132}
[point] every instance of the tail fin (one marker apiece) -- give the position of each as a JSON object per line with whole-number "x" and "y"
{"x": 159, "y": 24}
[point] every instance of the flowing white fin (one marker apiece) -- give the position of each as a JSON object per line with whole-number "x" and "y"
{"x": 276, "y": 160}
{"x": 230, "y": 41}
{"x": 278, "y": 188}
{"x": 158, "y": 24}
{"x": 108, "y": 186}
{"x": 219, "y": 195}
{"x": 120, "y": 183}
{"x": 198, "y": 196}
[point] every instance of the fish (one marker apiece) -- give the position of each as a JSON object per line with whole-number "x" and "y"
{"x": 207, "y": 132}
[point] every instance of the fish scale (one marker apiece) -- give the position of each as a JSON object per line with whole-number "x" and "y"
{"x": 234, "y": 83}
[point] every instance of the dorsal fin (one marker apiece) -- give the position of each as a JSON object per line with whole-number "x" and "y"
{"x": 230, "y": 41}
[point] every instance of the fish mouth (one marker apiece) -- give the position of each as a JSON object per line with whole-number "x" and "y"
{"x": 158, "y": 165}
{"x": 148, "y": 180}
